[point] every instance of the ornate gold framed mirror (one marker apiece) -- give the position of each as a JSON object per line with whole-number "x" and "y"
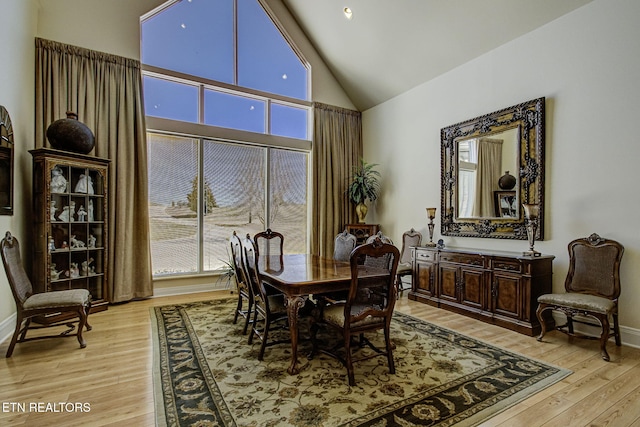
{"x": 478, "y": 155}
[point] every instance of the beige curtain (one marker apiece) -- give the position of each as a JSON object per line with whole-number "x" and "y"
{"x": 337, "y": 148}
{"x": 106, "y": 93}
{"x": 487, "y": 176}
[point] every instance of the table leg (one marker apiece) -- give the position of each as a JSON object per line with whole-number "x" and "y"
{"x": 294, "y": 303}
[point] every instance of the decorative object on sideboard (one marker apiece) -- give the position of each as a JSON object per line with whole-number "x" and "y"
{"x": 531, "y": 215}
{"x": 507, "y": 181}
{"x": 365, "y": 184}
{"x": 69, "y": 134}
{"x": 431, "y": 214}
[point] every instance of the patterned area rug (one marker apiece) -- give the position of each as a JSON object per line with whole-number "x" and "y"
{"x": 205, "y": 374}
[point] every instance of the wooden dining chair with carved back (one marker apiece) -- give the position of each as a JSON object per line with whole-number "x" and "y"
{"x": 409, "y": 238}
{"x": 245, "y": 293}
{"x": 269, "y": 306}
{"x": 344, "y": 243}
{"x": 74, "y": 302}
{"x": 362, "y": 312}
{"x": 269, "y": 243}
{"x": 592, "y": 289}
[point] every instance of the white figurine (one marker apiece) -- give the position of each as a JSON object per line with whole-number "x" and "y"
{"x": 58, "y": 181}
{"x": 90, "y": 213}
{"x": 82, "y": 214}
{"x": 54, "y": 274}
{"x": 52, "y": 211}
{"x": 84, "y": 185}
{"x": 72, "y": 211}
{"x": 51, "y": 245}
{"x": 84, "y": 268}
{"x": 91, "y": 241}
{"x": 75, "y": 243}
{"x": 73, "y": 271}
{"x": 64, "y": 215}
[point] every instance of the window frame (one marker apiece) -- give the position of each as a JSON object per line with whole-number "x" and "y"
{"x": 201, "y": 132}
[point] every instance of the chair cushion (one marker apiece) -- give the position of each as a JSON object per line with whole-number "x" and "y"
{"x": 335, "y": 314}
{"x": 57, "y": 299}
{"x": 579, "y": 301}
{"x": 404, "y": 268}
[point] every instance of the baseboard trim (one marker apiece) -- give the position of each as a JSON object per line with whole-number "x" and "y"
{"x": 629, "y": 336}
{"x": 188, "y": 289}
{"x": 7, "y": 327}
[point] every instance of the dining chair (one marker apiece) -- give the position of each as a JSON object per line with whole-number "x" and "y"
{"x": 269, "y": 243}
{"x": 71, "y": 302}
{"x": 344, "y": 243}
{"x": 362, "y": 312}
{"x": 245, "y": 293}
{"x": 592, "y": 289}
{"x": 269, "y": 307}
{"x": 409, "y": 238}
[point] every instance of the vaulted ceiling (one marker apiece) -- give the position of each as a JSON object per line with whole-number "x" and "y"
{"x": 391, "y": 46}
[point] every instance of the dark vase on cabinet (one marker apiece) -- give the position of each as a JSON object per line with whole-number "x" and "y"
{"x": 70, "y": 224}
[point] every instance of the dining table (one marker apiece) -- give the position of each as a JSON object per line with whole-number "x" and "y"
{"x": 298, "y": 276}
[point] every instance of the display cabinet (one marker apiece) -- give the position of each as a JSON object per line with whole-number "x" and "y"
{"x": 70, "y": 223}
{"x": 501, "y": 288}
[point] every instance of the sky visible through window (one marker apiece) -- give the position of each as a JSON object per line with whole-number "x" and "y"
{"x": 196, "y": 37}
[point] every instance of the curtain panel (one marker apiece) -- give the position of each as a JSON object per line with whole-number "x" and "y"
{"x": 337, "y": 149}
{"x": 106, "y": 92}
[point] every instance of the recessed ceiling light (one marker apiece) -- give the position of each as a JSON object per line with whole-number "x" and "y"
{"x": 347, "y": 12}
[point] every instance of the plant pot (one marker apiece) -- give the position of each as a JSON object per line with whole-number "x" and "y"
{"x": 361, "y": 211}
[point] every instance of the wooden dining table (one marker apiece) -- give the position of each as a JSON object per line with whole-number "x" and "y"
{"x": 300, "y": 275}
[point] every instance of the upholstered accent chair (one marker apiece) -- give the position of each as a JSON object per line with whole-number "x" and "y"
{"x": 592, "y": 290}
{"x": 245, "y": 293}
{"x": 367, "y": 308}
{"x": 345, "y": 242}
{"x": 409, "y": 238}
{"x": 75, "y": 302}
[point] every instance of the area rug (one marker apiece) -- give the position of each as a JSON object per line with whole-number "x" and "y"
{"x": 205, "y": 374}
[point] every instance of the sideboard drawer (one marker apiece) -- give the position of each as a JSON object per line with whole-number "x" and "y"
{"x": 422, "y": 255}
{"x": 506, "y": 264}
{"x": 475, "y": 260}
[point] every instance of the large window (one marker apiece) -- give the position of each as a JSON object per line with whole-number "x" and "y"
{"x": 226, "y": 98}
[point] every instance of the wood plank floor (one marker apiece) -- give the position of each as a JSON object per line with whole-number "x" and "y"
{"x": 112, "y": 375}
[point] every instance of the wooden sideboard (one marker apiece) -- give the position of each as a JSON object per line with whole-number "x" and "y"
{"x": 500, "y": 288}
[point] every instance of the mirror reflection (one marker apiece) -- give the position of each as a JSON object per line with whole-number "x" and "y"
{"x": 486, "y": 184}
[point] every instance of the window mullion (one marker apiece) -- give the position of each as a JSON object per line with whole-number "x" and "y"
{"x": 267, "y": 188}
{"x": 235, "y": 42}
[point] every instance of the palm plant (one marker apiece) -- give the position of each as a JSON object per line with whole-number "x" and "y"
{"x": 365, "y": 185}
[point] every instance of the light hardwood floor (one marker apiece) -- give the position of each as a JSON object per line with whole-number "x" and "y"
{"x": 113, "y": 373}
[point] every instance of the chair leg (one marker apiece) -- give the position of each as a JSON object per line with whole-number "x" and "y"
{"x": 83, "y": 321}
{"x": 265, "y": 333}
{"x": 616, "y": 330}
{"x": 247, "y": 320}
{"x": 387, "y": 338}
{"x": 14, "y": 338}
{"x": 348, "y": 360}
{"x": 87, "y": 310}
{"x": 27, "y": 324}
{"x": 313, "y": 331}
{"x": 238, "y": 308}
{"x": 604, "y": 336}
{"x": 543, "y": 325}
{"x": 253, "y": 325}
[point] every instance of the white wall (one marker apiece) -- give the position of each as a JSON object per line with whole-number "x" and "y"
{"x": 16, "y": 95}
{"x": 587, "y": 66}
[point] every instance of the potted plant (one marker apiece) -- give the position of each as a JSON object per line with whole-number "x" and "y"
{"x": 365, "y": 184}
